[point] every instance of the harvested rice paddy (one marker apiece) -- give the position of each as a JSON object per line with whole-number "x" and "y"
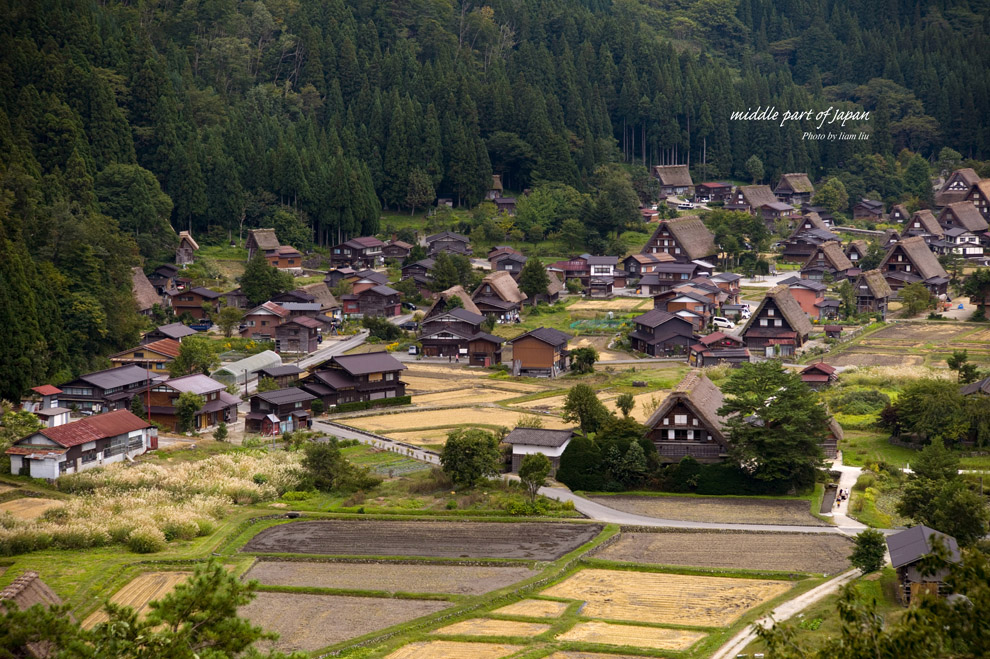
{"x": 487, "y": 627}
{"x": 141, "y": 590}
{"x": 633, "y": 635}
{"x": 384, "y": 423}
{"x": 533, "y": 609}
{"x": 454, "y": 650}
{"x": 614, "y": 304}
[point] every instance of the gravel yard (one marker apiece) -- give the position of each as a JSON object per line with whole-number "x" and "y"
{"x": 812, "y": 552}
{"x": 716, "y": 509}
{"x": 391, "y": 577}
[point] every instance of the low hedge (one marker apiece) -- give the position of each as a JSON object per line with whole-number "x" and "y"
{"x": 368, "y": 404}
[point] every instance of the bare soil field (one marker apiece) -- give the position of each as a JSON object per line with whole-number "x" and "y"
{"x": 421, "y": 437}
{"x": 642, "y": 637}
{"x": 613, "y": 304}
{"x": 454, "y": 579}
{"x": 6, "y": 488}
{"x": 589, "y": 655}
{"x": 141, "y": 590}
{"x": 714, "y": 509}
{"x": 865, "y": 357}
{"x": 920, "y": 333}
{"x": 27, "y": 509}
{"x": 661, "y": 598}
{"x": 453, "y": 650}
{"x": 310, "y": 622}
{"x": 599, "y": 343}
{"x": 641, "y": 412}
{"x": 820, "y": 553}
{"x": 525, "y": 540}
{"x": 383, "y": 423}
{"x": 487, "y": 627}
{"x": 467, "y": 395}
{"x": 533, "y": 609}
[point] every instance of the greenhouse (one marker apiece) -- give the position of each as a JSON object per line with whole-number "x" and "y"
{"x": 244, "y": 369}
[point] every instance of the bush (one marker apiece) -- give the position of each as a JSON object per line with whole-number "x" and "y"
{"x": 864, "y": 481}
{"x": 146, "y": 540}
{"x": 580, "y": 465}
{"x": 859, "y": 401}
{"x": 368, "y": 404}
{"x": 296, "y": 495}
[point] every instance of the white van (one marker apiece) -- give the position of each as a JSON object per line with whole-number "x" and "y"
{"x": 722, "y": 323}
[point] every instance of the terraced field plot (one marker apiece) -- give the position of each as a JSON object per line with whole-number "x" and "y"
{"x": 665, "y": 598}
{"x": 589, "y": 655}
{"x": 634, "y": 635}
{"x": 310, "y": 622}
{"x": 384, "y": 423}
{"x": 453, "y": 650}
{"x": 468, "y": 395}
{"x": 454, "y": 579}
{"x": 533, "y": 609}
{"x": 715, "y": 509}
{"x": 641, "y": 412}
{"x": 824, "y": 553}
{"x": 141, "y": 590}
{"x": 614, "y": 304}
{"x": 27, "y": 509}
{"x": 526, "y": 540}
{"x": 486, "y": 627}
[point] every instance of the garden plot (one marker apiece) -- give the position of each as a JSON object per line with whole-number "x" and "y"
{"x": 310, "y": 622}
{"x": 524, "y": 540}
{"x": 661, "y": 598}
{"x": 454, "y": 650}
{"x": 141, "y": 590}
{"x": 820, "y": 553}
{"x": 454, "y": 579}
{"x": 533, "y": 609}
{"x": 28, "y": 509}
{"x": 715, "y": 509}
{"x": 614, "y": 304}
{"x": 867, "y": 357}
{"x": 633, "y": 635}
{"x": 488, "y": 627}
{"x": 402, "y": 421}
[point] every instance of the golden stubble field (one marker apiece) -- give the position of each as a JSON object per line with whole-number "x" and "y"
{"x": 454, "y": 650}
{"x": 141, "y": 590}
{"x": 655, "y": 638}
{"x": 533, "y": 609}
{"x": 488, "y": 627}
{"x": 404, "y": 421}
{"x": 661, "y": 598}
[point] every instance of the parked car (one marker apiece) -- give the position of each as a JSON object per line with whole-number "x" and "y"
{"x": 722, "y": 323}
{"x": 409, "y": 326}
{"x": 409, "y": 305}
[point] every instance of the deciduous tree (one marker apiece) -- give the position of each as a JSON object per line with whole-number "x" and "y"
{"x": 470, "y": 455}
{"x": 533, "y": 472}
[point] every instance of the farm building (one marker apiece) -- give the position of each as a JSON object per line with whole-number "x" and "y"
{"x": 856, "y": 251}
{"x": 694, "y": 304}
{"x": 910, "y": 260}
{"x": 457, "y": 333}
{"x": 718, "y": 348}
{"x": 641, "y": 264}
{"x": 708, "y": 192}
{"x": 751, "y": 198}
{"x": 962, "y": 214}
{"x": 498, "y": 294}
{"x": 107, "y": 390}
{"x": 25, "y": 591}
{"x": 218, "y": 406}
{"x": 145, "y": 295}
{"x": 283, "y": 376}
{"x": 795, "y": 189}
{"x": 301, "y": 334}
{"x": 378, "y": 300}
{"x": 175, "y": 331}
{"x": 685, "y": 238}
{"x": 807, "y": 292}
{"x": 43, "y": 403}
{"x": 818, "y": 375}
{"x": 778, "y": 327}
{"x": 526, "y": 441}
{"x": 95, "y": 441}
{"x": 674, "y": 179}
{"x": 245, "y": 369}
{"x": 980, "y": 387}
{"x": 979, "y": 196}
{"x": 443, "y": 302}
{"x": 541, "y": 352}
{"x": 868, "y": 209}
{"x": 289, "y": 406}
{"x": 956, "y": 186}
{"x": 363, "y": 252}
{"x": 659, "y": 333}
{"x": 924, "y": 224}
{"x": 664, "y": 276}
{"x": 872, "y": 292}
{"x": 260, "y": 323}
{"x": 448, "y": 241}
{"x": 263, "y": 240}
{"x": 687, "y": 422}
{"x": 827, "y": 259}
{"x": 195, "y": 301}
{"x": 907, "y": 548}
{"x": 396, "y": 249}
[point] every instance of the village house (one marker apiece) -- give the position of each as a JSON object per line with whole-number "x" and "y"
{"x": 297, "y": 309}
{"x": 378, "y": 300}
{"x": 687, "y": 422}
{"x": 794, "y": 189}
{"x": 675, "y": 180}
{"x": 145, "y": 295}
{"x": 718, "y": 348}
{"x": 396, "y": 249}
{"x": 576, "y": 267}
{"x": 366, "y": 377}
{"x": 498, "y": 294}
{"x": 285, "y": 258}
{"x": 691, "y": 303}
{"x": 198, "y": 302}
{"x": 809, "y": 233}
{"x": 505, "y": 205}
{"x": 956, "y": 187}
{"x": 807, "y": 292}
{"x": 218, "y": 405}
{"x": 868, "y": 209}
{"x": 856, "y": 251}
{"x": 494, "y": 252}
{"x": 541, "y": 352}
{"x": 924, "y": 224}
{"x": 444, "y": 303}
{"x": 298, "y": 335}
{"x": 527, "y": 441}
{"x": 422, "y": 268}
{"x": 263, "y": 240}
{"x": 907, "y": 548}
{"x": 335, "y": 275}
{"x": 821, "y": 212}
{"x": 729, "y": 283}
{"x": 284, "y": 376}
{"x": 363, "y": 252}
{"x": 507, "y": 262}
{"x": 828, "y": 260}
{"x": 686, "y": 239}
{"x": 448, "y": 241}
{"x": 235, "y": 299}
{"x": 963, "y": 215}
{"x": 106, "y": 390}
{"x": 495, "y": 191}
{"x": 599, "y": 287}
{"x": 660, "y": 333}
{"x": 457, "y": 333}
{"x": 365, "y": 279}
{"x": 899, "y": 214}
{"x": 43, "y": 403}
{"x": 666, "y": 276}
{"x": 279, "y": 411}
{"x": 166, "y": 278}
{"x": 70, "y": 448}
{"x": 637, "y": 265}
{"x": 978, "y": 388}
{"x": 775, "y": 212}
{"x": 910, "y": 260}
{"x": 872, "y": 293}
{"x": 176, "y": 331}
{"x": 555, "y": 288}
{"x": 819, "y": 375}
{"x": 751, "y": 198}
{"x": 156, "y": 355}
{"x": 962, "y": 242}
{"x": 778, "y": 327}
{"x": 320, "y": 293}
{"x": 707, "y": 193}
{"x": 260, "y": 323}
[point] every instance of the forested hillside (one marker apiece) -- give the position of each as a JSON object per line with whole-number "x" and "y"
{"x": 118, "y": 119}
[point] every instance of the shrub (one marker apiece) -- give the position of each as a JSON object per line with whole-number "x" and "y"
{"x": 859, "y": 401}
{"x": 864, "y": 481}
{"x": 146, "y": 540}
{"x": 296, "y": 495}
{"x": 368, "y": 404}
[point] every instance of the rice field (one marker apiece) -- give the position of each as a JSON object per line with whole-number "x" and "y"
{"x": 28, "y": 509}
{"x": 403, "y": 421}
{"x": 488, "y": 627}
{"x": 641, "y": 412}
{"x": 666, "y": 598}
{"x": 454, "y": 650}
{"x": 465, "y": 395}
{"x": 533, "y": 609}
{"x": 655, "y": 638}
{"x": 141, "y": 590}
{"x": 613, "y": 304}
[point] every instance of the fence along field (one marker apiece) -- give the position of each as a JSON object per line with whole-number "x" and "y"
{"x": 141, "y": 590}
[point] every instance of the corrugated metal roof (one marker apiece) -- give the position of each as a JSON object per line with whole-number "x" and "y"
{"x": 196, "y": 383}
{"x": 234, "y": 372}
{"x": 95, "y": 427}
{"x": 369, "y": 362}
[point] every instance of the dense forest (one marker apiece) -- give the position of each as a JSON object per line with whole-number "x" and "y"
{"x": 123, "y": 121}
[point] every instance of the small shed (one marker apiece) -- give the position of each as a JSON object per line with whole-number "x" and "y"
{"x": 550, "y": 443}
{"x": 245, "y": 369}
{"x": 907, "y": 549}
{"x": 833, "y": 331}
{"x": 818, "y": 375}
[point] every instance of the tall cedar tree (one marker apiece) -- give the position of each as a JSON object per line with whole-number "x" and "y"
{"x": 533, "y": 280}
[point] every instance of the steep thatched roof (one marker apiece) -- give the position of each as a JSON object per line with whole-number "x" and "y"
{"x": 440, "y": 305}
{"x": 966, "y": 215}
{"x": 834, "y": 256}
{"x": 27, "y": 590}
{"x": 797, "y": 183}
{"x": 701, "y": 396}
{"x": 861, "y": 246}
{"x": 927, "y": 221}
{"x": 556, "y": 286}
{"x": 875, "y": 283}
{"x": 144, "y": 293}
{"x": 503, "y": 285}
{"x": 920, "y": 255}
{"x": 967, "y": 176}
{"x": 677, "y": 175}
{"x": 322, "y": 293}
{"x": 265, "y": 239}
{"x": 758, "y": 195}
{"x": 789, "y": 308}
{"x": 186, "y": 236}
{"x": 691, "y": 234}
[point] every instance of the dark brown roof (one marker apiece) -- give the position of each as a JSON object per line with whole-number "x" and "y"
{"x": 655, "y": 318}
{"x": 548, "y": 335}
{"x": 968, "y": 216}
{"x": 798, "y": 183}
{"x": 788, "y": 306}
{"x": 702, "y": 396}
{"x": 928, "y": 222}
{"x": 691, "y": 234}
{"x": 369, "y": 362}
{"x": 99, "y": 426}
{"x": 916, "y": 542}
{"x": 877, "y": 284}
{"x": 677, "y": 175}
{"x": 265, "y": 239}
{"x": 921, "y": 257}
{"x": 145, "y": 294}
{"x": 539, "y": 437}
{"x": 283, "y": 396}
{"x": 758, "y": 196}
{"x": 833, "y": 255}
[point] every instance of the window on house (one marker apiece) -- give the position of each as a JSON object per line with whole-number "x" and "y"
{"x": 763, "y": 322}
{"x": 666, "y": 421}
{"x": 680, "y": 419}
{"x": 138, "y": 355}
{"x": 776, "y": 323}
{"x": 769, "y": 312}
{"x": 298, "y": 405}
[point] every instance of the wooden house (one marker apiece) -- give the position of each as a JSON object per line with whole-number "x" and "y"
{"x": 457, "y": 333}
{"x": 106, "y": 390}
{"x": 505, "y": 205}
{"x": 856, "y": 251}
{"x": 752, "y": 198}
{"x": 336, "y": 275}
{"x": 165, "y": 278}
{"x": 693, "y": 304}
{"x": 712, "y": 192}
{"x": 907, "y": 548}
{"x": 555, "y": 288}
{"x": 910, "y": 260}
{"x": 284, "y": 376}
{"x": 978, "y": 388}
{"x": 329, "y": 306}
{"x": 956, "y": 187}
{"x": 156, "y": 355}
{"x": 43, "y": 403}
{"x": 541, "y": 352}
{"x": 872, "y": 293}
{"x": 675, "y": 180}
{"x": 511, "y": 263}
{"x": 185, "y": 253}
{"x": 819, "y": 375}
{"x": 966, "y": 244}
{"x": 923, "y": 223}
{"x": 263, "y": 240}
{"x": 199, "y": 302}
{"x": 285, "y": 258}
{"x": 822, "y": 212}
{"x": 868, "y": 209}
{"x": 423, "y": 268}
{"x": 299, "y": 335}
{"x": 498, "y": 294}
{"x": 666, "y": 276}
{"x": 778, "y": 327}
{"x": 443, "y": 302}
{"x": 599, "y": 287}
{"x": 964, "y": 215}
{"x": 827, "y": 259}
{"x": 717, "y": 348}
{"x": 365, "y": 279}
{"x": 236, "y": 299}
{"x": 396, "y": 249}
{"x": 808, "y": 235}
{"x": 660, "y": 333}
{"x": 687, "y": 422}
{"x": 448, "y": 241}
{"x": 637, "y": 265}
{"x": 145, "y": 295}
{"x": 794, "y": 189}
{"x": 260, "y": 323}
{"x": 176, "y": 331}
{"x": 496, "y": 189}
{"x": 219, "y": 406}
{"x": 495, "y": 251}
{"x": 527, "y": 441}
{"x": 363, "y": 252}
{"x": 378, "y": 300}
{"x": 899, "y": 214}
{"x": 290, "y": 407}
{"x": 807, "y": 292}
{"x": 684, "y": 238}
{"x": 366, "y": 377}
{"x": 70, "y": 448}
{"x": 775, "y": 212}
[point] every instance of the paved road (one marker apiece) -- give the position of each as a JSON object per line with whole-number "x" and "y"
{"x": 336, "y": 347}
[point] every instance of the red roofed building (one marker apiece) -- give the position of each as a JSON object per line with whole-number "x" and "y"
{"x": 818, "y": 375}
{"x": 260, "y": 322}
{"x": 95, "y": 441}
